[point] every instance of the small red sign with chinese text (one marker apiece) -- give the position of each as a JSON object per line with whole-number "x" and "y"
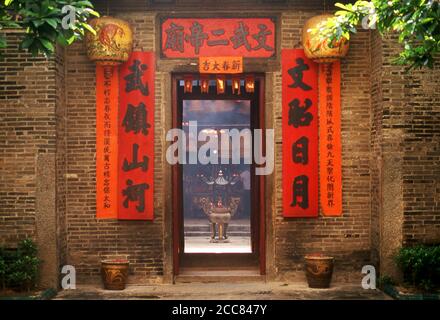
{"x": 221, "y": 64}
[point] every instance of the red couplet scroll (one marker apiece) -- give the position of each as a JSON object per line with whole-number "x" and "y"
{"x": 330, "y": 138}
{"x": 300, "y": 134}
{"x": 106, "y": 142}
{"x": 136, "y": 137}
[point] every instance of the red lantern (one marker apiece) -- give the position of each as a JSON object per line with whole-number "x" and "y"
{"x": 318, "y": 49}
{"x": 187, "y": 88}
{"x": 221, "y": 84}
{"x": 236, "y": 86}
{"x": 204, "y": 85}
{"x": 249, "y": 84}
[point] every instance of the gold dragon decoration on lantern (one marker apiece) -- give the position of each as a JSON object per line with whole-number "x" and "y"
{"x": 112, "y": 44}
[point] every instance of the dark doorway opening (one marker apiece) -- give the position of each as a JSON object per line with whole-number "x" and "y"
{"x": 218, "y": 208}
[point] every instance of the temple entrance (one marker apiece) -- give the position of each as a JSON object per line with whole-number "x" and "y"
{"x": 218, "y": 199}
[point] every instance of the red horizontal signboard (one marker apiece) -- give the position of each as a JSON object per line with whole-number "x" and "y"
{"x": 192, "y": 38}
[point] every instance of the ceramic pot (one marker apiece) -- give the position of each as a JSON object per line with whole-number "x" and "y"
{"x": 114, "y": 274}
{"x": 319, "y": 270}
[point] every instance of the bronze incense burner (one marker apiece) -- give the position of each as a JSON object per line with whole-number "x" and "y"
{"x": 219, "y": 217}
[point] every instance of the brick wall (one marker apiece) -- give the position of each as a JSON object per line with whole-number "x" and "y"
{"x": 61, "y": 155}
{"x": 91, "y": 240}
{"x": 346, "y": 237}
{"x": 375, "y": 147}
{"x": 405, "y": 145}
{"x": 27, "y": 130}
{"x": 420, "y": 120}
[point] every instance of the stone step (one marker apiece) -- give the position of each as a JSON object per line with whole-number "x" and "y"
{"x": 207, "y": 233}
{"x": 231, "y": 227}
{"x": 206, "y": 276}
{"x": 204, "y": 230}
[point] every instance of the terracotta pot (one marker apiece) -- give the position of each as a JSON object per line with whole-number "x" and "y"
{"x": 114, "y": 274}
{"x": 319, "y": 270}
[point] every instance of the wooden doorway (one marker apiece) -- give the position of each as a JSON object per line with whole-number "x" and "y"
{"x": 189, "y": 249}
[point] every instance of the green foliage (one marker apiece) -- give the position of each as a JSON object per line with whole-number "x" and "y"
{"x": 385, "y": 281}
{"x": 420, "y": 266}
{"x": 42, "y": 21}
{"x": 2, "y": 272}
{"x": 415, "y": 22}
{"x": 19, "y": 268}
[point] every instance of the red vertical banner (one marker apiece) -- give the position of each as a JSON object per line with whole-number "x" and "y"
{"x": 136, "y": 137}
{"x": 330, "y": 138}
{"x": 300, "y": 134}
{"x": 106, "y": 142}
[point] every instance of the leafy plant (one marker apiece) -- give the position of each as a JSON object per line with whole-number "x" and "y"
{"x": 2, "y": 272}
{"x": 420, "y": 266}
{"x": 384, "y": 281}
{"x": 19, "y": 268}
{"x": 415, "y": 22}
{"x": 46, "y": 22}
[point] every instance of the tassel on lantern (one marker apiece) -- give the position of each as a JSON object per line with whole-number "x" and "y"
{"x": 236, "y": 86}
{"x": 187, "y": 88}
{"x": 249, "y": 84}
{"x": 221, "y": 84}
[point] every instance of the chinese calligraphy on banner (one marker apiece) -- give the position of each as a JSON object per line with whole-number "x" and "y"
{"x": 300, "y": 134}
{"x": 125, "y": 139}
{"x": 220, "y": 64}
{"x": 330, "y": 139}
{"x": 106, "y": 141}
{"x": 136, "y": 137}
{"x": 190, "y": 38}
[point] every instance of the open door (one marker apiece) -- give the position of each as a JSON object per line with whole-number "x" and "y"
{"x": 218, "y": 206}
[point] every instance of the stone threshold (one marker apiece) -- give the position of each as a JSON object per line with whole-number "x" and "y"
{"x": 259, "y": 290}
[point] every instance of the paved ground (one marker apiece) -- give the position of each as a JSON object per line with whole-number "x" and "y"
{"x": 219, "y": 291}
